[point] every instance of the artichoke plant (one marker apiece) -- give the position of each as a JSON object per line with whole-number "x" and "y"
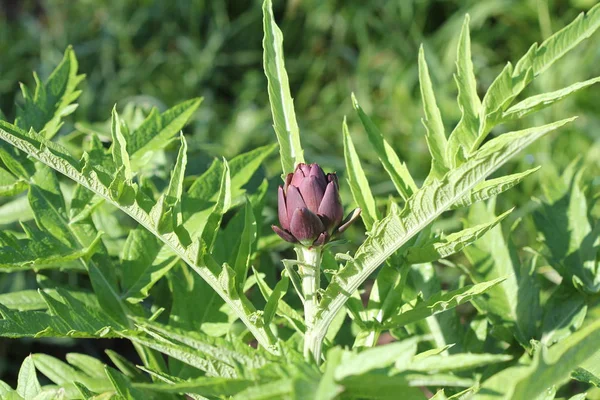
{"x": 309, "y": 207}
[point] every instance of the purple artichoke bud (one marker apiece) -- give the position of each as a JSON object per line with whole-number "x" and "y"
{"x": 309, "y": 207}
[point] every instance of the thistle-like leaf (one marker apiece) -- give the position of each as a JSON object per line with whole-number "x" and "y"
{"x": 434, "y": 126}
{"x": 282, "y": 104}
{"x": 361, "y": 192}
{"x": 396, "y": 229}
{"x": 51, "y": 100}
{"x": 397, "y": 170}
{"x": 450, "y": 244}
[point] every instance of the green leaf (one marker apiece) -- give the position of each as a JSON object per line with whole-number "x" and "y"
{"x": 119, "y": 146}
{"x": 283, "y": 308}
{"x": 396, "y": 229}
{"x": 565, "y": 311}
{"x": 549, "y": 367}
{"x": 375, "y": 358}
{"x": 48, "y": 205}
{"x": 434, "y": 126}
{"x": 514, "y": 303}
{"x": 11, "y": 185}
{"x": 39, "y": 250}
{"x": 538, "y": 102}
{"x": 403, "y": 181}
{"x": 274, "y": 299}
{"x": 144, "y": 262}
{"x": 440, "y": 302}
{"x": 357, "y": 180}
{"x": 512, "y": 81}
{"x": 282, "y": 105}
{"x": 450, "y": 244}
{"x": 122, "y": 385}
{"x": 465, "y": 132}
{"x": 456, "y": 362}
{"x": 87, "y": 364}
{"x": 174, "y": 192}
{"x": 209, "y": 234}
{"x": 28, "y": 385}
{"x": 158, "y": 130}
{"x": 52, "y": 100}
{"x": 381, "y": 386}
{"x": 246, "y": 242}
{"x": 64, "y": 375}
{"x": 493, "y": 187}
{"x": 567, "y": 232}
{"x": 328, "y": 388}
{"x": 24, "y": 300}
{"x": 80, "y": 317}
{"x": 145, "y": 211}
{"x": 204, "y": 386}
{"x": 126, "y": 367}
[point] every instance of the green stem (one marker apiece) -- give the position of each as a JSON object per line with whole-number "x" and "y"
{"x": 309, "y": 269}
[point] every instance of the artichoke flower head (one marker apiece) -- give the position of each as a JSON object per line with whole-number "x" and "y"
{"x": 309, "y": 207}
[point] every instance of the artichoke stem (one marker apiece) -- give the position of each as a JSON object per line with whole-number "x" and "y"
{"x": 309, "y": 269}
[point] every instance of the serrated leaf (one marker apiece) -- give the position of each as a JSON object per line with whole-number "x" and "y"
{"x": 565, "y": 311}
{"x": 359, "y": 185}
{"x": 87, "y": 364}
{"x": 174, "y": 192}
{"x": 273, "y": 301}
{"x": 28, "y": 385}
{"x": 434, "y": 126}
{"x": 512, "y": 81}
{"x": 396, "y": 229}
{"x": 223, "y": 203}
{"x": 456, "y": 362}
{"x": 375, "y": 358}
{"x": 11, "y": 185}
{"x": 52, "y": 100}
{"x": 62, "y": 374}
{"x": 247, "y": 237}
{"x": 514, "y": 304}
{"x": 465, "y": 132}
{"x": 39, "y": 250}
{"x": 397, "y": 170}
{"x": 450, "y": 244}
{"x": 440, "y": 302}
{"x": 283, "y": 309}
{"x": 119, "y": 146}
{"x": 538, "y": 102}
{"x": 158, "y": 130}
{"x": 204, "y": 386}
{"x": 123, "y": 386}
{"x": 549, "y": 367}
{"x": 24, "y": 300}
{"x": 282, "y": 104}
{"x": 126, "y": 367}
{"x": 144, "y": 262}
{"x": 493, "y": 187}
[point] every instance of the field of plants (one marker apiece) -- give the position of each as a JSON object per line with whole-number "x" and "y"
{"x": 300, "y": 199}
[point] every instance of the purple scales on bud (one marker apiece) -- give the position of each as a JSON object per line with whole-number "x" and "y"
{"x": 309, "y": 207}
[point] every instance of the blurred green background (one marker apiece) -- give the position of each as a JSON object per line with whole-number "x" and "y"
{"x": 159, "y": 53}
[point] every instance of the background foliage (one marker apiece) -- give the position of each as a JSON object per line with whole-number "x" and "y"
{"x": 143, "y": 53}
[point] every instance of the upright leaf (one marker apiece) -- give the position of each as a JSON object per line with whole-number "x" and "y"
{"x": 28, "y": 385}
{"x": 465, "y": 132}
{"x": 158, "y": 130}
{"x": 361, "y": 192}
{"x": 396, "y": 229}
{"x": 282, "y": 105}
{"x": 397, "y": 170}
{"x": 434, "y": 126}
{"x": 51, "y": 100}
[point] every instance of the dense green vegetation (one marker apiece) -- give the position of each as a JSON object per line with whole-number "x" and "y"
{"x": 478, "y": 301}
